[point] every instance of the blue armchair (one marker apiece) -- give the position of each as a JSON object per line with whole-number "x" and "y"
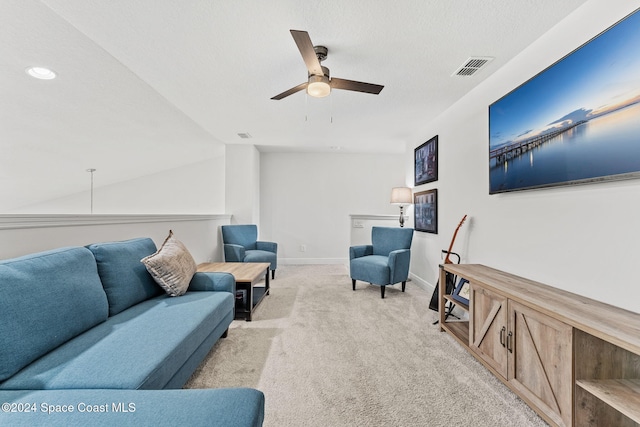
{"x": 241, "y": 245}
{"x": 385, "y": 261}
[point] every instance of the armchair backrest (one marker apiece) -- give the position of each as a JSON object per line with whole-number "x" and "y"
{"x": 387, "y": 239}
{"x": 244, "y": 235}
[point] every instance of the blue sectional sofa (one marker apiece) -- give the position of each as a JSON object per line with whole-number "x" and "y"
{"x": 90, "y": 325}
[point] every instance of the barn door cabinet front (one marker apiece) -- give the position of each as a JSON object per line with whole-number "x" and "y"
{"x": 530, "y": 351}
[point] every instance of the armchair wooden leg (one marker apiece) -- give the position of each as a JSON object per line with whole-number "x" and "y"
{"x": 403, "y": 285}
{"x": 382, "y": 291}
{"x": 353, "y": 284}
{"x": 273, "y": 274}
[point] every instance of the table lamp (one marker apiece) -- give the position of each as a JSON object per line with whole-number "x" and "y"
{"x": 402, "y": 197}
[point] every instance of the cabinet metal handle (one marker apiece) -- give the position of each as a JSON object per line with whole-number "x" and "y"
{"x": 502, "y": 331}
{"x": 509, "y": 344}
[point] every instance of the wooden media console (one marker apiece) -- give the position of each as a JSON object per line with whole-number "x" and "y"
{"x": 574, "y": 360}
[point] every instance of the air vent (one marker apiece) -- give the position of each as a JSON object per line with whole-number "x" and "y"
{"x": 472, "y": 65}
{"x": 244, "y": 135}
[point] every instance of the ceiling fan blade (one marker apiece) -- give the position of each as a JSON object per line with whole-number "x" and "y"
{"x": 305, "y": 47}
{"x": 291, "y": 91}
{"x": 355, "y": 86}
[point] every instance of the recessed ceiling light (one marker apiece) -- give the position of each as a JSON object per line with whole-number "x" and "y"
{"x": 41, "y": 73}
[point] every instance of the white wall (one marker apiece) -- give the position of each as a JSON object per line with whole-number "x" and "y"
{"x": 306, "y": 199}
{"x": 189, "y": 200}
{"x": 197, "y": 188}
{"x": 34, "y": 233}
{"x": 242, "y": 178}
{"x": 583, "y": 239}
{"x": 361, "y": 226}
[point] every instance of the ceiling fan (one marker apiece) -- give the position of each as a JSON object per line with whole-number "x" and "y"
{"x": 319, "y": 83}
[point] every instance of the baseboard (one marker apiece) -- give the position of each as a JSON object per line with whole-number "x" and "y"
{"x": 303, "y": 261}
{"x": 421, "y": 283}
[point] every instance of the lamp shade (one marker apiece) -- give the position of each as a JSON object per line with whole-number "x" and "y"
{"x": 401, "y": 196}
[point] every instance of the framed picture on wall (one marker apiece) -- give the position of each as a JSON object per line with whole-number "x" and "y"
{"x": 426, "y": 211}
{"x": 426, "y": 162}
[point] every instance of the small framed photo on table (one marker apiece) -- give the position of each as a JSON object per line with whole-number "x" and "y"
{"x": 462, "y": 292}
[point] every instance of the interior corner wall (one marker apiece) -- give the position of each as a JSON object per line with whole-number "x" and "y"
{"x": 307, "y": 199}
{"x": 242, "y": 184}
{"x": 583, "y": 239}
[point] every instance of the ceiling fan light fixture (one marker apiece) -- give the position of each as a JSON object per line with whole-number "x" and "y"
{"x": 319, "y": 83}
{"x": 318, "y": 86}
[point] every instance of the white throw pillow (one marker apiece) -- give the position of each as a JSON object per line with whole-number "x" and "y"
{"x": 172, "y": 266}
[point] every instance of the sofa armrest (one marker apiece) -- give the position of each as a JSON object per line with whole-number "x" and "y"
{"x": 360, "y": 251}
{"x": 399, "y": 265}
{"x": 267, "y": 246}
{"x": 203, "y": 281}
{"x": 233, "y": 253}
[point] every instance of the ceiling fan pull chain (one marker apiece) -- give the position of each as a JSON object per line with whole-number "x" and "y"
{"x": 331, "y": 110}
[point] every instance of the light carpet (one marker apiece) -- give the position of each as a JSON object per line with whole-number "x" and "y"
{"x": 327, "y": 356}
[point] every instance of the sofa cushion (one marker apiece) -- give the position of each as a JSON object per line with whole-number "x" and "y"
{"x": 372, "y": 268}
{"x": 125, "y": 279}
{"x": 172, "y": 266}
{"x": 262, "y": 256}
{"x": 139, "y": 348}
{"x": 46, "y": 299}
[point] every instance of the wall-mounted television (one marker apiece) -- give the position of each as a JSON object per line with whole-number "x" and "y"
{"x": 577, "y": 121}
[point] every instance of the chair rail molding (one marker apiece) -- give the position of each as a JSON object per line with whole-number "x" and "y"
{"x": 375, "y": 217}
{"x": 21, "y": 221}
{"x": 361, "y": 225}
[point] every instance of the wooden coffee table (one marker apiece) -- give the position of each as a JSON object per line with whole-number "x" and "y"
{"x": 247, "y": 274}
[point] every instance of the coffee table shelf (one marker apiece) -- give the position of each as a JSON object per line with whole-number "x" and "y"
{"x": 247, "y": 275}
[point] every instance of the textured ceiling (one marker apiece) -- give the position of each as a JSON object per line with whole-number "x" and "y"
{"x": 150, "y": 85}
